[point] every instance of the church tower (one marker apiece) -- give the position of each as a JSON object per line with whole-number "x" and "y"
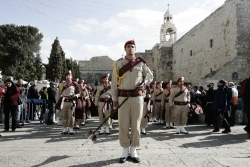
{"x": 168, "y": 30}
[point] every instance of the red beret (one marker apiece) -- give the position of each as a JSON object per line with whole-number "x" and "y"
{"x": 69, "y": 73}
{"x": 81, "y": 81}
{"x": 159, "y": 82}
{"x": 105, "y": 76}
{"x": 170, "y": 81}
{"x": 129, "y": 42}
{"x": 181, "y": 78}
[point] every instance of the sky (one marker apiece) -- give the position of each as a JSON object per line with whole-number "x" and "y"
{"x": 90, "y": 28}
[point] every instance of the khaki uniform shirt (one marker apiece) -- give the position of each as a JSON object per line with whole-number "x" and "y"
{"x": 164, "y": 96}
{"x": 132, "y": 79}
{"x": 184, "y": 97}
{"x": 106, "y": 94}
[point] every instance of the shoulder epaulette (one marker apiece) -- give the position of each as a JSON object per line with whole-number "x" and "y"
{"x": 143, "y": 60}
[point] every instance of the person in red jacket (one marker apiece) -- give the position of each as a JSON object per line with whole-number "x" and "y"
{"x": 10, "y": 104}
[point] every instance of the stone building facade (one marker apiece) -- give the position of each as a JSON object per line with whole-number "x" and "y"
{"x": 93, "y": 70}
{"x": 216, "y": 48}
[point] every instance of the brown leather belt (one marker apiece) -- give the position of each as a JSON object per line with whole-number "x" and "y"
{"x": 166, "y": 100}
{"x": 180, "y": 103}
{"x": 103, "y": 99}
{"x": 131, "y": 93}
{"x": 157, "y": 100}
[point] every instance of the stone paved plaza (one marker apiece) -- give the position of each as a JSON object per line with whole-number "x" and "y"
{"x": 43, "y": 145}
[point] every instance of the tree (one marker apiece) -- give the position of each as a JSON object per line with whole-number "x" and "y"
{"x": 18, "y": 46}
{"x": 56, "y": 66}
{"x": 39, "y": 66}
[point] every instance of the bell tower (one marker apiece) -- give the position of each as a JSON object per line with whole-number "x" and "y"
{"x": 168, "y": 30}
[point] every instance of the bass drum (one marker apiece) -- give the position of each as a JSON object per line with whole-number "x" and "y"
{"x": 114, "y": 115}
{"x": 92, "y": 108}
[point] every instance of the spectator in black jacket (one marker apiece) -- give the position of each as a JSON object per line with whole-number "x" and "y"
{"x": 220, "y": 107}
{"x": 32, "y": 94}
{"x": 209, "y": 103}
{"x": 51, "y": 102}
{"x": 43, "y": 94}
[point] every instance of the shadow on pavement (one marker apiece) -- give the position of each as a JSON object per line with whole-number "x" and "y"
{"x": 51, "y": 159}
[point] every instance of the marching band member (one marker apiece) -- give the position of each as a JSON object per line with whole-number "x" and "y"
{"x": 169, "y": 114}
{"x": 147, "y": 109}
{"x": 102, "y": 101}
{"x": 80, "y": 115}
{"x": 179, "y": 100}
{"x": 69, "y": 93}
{"x": 157, "y": 96}
{"x": 152, "y": 115}
{"x": 128, "y": 80}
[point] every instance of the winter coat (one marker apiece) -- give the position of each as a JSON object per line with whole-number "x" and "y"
{"x": 220, "y": 99}
{"x": 11, "y": 96}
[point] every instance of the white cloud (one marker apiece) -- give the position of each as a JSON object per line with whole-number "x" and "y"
{"x": 68, "y": 43}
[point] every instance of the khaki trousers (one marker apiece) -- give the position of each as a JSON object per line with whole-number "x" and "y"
{"x": 158, "y": 110}
{"x": 144, "y": 120}
{"x": 130, "y": 114}
{"x": 180, "y": 114}
{"x": 67, "y": 112}
{"x": 169, "y": 114}
{"x": 106, "y": 115}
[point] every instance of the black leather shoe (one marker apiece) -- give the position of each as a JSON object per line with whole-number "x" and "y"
{"x": 64, "y": 133}
{"x": 226, "y": 131}
{"x": 101, "y": 133}
{"x": 216, "y": 130}
{"x": 177, "y": 133}
{"x": 76, "y": 128}
{"x": 19, "y": 126}
{"x": 143, "y": 133}
{"x": 6, "y": 130}
{"x": 13, "y": 130}
{"x": 123, "y": 160}
{"x": 135, "y": 159}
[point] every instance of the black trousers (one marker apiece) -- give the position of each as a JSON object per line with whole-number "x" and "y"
{"x": 7, "y": 111}
{"x": 220, "y": 118}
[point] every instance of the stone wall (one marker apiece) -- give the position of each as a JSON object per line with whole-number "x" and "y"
{"x": 208, "y": 46}
{"x": 240, "y": 64}
{"x": 93, "y": 70}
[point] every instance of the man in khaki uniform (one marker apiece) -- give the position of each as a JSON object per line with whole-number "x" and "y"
{"x": 147, "y": 109}
{"x": 69, "y": 93}
{"x": 157, "y": 96}
{"x": 82, "y": 100}
{"x": 179, "y": 100}
{"x": 152, "y": 90}
{"x": 102, "y": 101}
{"x": 128, "y": 79}
{"x": 169, "y": 114}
